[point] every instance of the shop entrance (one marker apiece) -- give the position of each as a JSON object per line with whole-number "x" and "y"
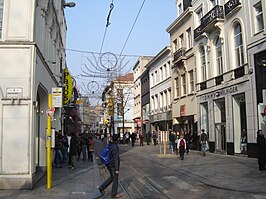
{"x": 220, "y": 128}
{"x": 220, "y": 137}
{"x": 240, "y": 124}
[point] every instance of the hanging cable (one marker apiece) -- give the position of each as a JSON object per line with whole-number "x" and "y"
{"x": 131, "y": 29}
{"x": 107, "y": 24}
{"x": 110, "y": 11}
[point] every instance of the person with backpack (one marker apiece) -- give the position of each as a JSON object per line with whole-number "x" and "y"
{"x": 112, "y": 166}
{"x": 181, "y": 145}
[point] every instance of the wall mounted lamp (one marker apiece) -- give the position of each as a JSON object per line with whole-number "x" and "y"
{"x": 69, "y": 4}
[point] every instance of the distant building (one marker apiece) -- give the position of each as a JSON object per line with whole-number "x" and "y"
{"x": 118, "y": 103}
{"x": 138, "y": 69}
{"x": 160, "y": 92}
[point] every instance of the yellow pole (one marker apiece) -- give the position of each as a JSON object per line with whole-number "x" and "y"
{"x": 48, "y": 147}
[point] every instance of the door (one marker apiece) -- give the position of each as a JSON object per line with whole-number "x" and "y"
{"x": 220, "y": 137}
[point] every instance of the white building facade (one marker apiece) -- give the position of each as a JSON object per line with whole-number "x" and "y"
{"x": 32, "y": 57}
{"x": 184, "y": 101}
{"x": 226, "y": 88}
{"x": 160, "y": 92}
{"x": 138, "y": 69}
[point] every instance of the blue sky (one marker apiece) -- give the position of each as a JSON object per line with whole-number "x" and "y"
{"x": 87, "y": 22}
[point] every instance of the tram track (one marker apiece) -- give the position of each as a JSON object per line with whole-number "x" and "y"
{"x": 187, "y": 173}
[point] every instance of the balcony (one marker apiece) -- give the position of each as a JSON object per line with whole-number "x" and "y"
{"x": 179, "y": 54}
{"x": 203, "y": 85}
{"x": 231, "y": 6}
{"x": 219, "y": 80}
{"x": 208, "y": 21}
{"x": 239, "y": 72}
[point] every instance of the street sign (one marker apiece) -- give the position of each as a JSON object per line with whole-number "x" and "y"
{"x": 57, "y": 97}
{"x": 14, "y": 92}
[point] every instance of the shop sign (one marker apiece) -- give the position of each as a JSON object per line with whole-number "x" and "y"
{"x": 68, "y": 89}
{"x": 111, "y": 106}
{"x": 160, "y": 117}
{"x": 220, "y": 93}
{"x": 183, "y": 110}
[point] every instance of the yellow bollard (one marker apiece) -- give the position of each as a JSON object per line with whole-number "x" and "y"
{"x": 48, "y": 146}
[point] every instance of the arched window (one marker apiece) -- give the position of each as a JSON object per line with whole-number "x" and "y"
{"x": 219, "y": 56}
{"x": 203, "y": 63}
{"x": 238, "y": 42}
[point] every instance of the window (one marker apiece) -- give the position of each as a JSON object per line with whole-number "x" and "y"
{"x": 179, "y": 9}
{"x": 176, "y": 87}
{"x": 203, "y": 63}
{"x": 199, "y": 14}
{"x": 152, "y": 80}
{"x": 181, "y": 41}
{"x": 219, "y": 56}
{"x": 161, "y": 100}
{"x": 169, "y": 97}
{"x": 191, "y": 81}
{"x": 189, "y": 38}
{"x": 215, "y": 2}
{"x": 165, "y": 98}
{"x": 161, "y": 73}
{"x": 184, "y": 87}
{"x": 175, "y": 45}
{"x": 238, "y": 42}
{"x": 258, "y": 17}
{"x": 165, "y": 71}
{"x": 156, "y": 102}
{"x": 155, "y": 77}
{"x": 152, "y": 103}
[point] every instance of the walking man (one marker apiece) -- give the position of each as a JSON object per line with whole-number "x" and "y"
{"x": 113, "y": 168}
{"x": 181, "y": 145}
{"x": 203, "y": 141}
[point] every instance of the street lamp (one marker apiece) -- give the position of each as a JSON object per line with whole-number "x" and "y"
{"x": 69, "y": 4}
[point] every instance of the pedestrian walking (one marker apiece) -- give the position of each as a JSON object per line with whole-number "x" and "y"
{"x": 203, "y": 142}
{"x": 133, "y": 138}
{"x": 148, "y": 137}
{"x": 74, "y": 145}
{"x": 154, "y": 137}
{"x": 65, "y": 148}
{"x": 84, "y": 141}
{"x": 90, "y": 146}
{"x": 181, "y": 145}
{"x": 261, "y": 146}
{"x": 172, "y": 138}
{"x": 58, "y": 149}
{"x": 113, "y": 168}
{"x": 141, "y": 139}
{"x": 188, "y": 141}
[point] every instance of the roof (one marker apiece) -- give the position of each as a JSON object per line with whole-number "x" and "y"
{"x": 128, "y": 77}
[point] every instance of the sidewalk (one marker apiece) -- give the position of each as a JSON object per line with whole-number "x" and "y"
{"x": 80, "y": 183}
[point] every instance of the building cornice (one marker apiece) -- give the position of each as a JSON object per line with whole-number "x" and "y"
{"x": 181, "y": 19}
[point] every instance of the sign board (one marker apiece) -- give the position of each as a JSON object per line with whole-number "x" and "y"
{"x": 14, "y": 92}
{"x": 57, "y": 97}
{"x": 68, "y": 89}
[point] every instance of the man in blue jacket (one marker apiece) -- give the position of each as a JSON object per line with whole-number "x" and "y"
{"x": 113, "y": 167}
